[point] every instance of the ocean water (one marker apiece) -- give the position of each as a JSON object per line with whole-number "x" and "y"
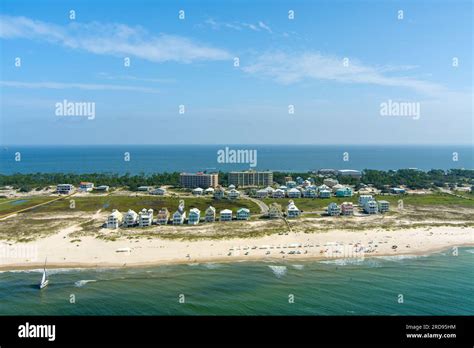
{"x": 435, "y": 284}
{"x": 191, "y": 158}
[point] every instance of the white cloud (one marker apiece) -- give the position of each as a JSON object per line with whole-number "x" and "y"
{"x": 296, "y": 67}
{"x": 216, "y": 25}
{"x": 264, "y": 26}
{"x": 83, "y": 86}
{"x": 111, "y": 39}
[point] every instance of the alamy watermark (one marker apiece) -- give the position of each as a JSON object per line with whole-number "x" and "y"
{"x": 400, "y": 109}
{"x": 67, "y": 108}
{"x": 228, "y": 155}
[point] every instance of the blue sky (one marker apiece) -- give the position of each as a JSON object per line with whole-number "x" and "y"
{"x": 282, "y": 62}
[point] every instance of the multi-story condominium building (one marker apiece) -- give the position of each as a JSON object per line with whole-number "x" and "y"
{"x": 251, "y": 178}
{"x": 233, "y": 194}
{"x": 225, "y": 215}
{"x": 310, "y": 193}
{"x": 114, "y": 220}
{"x": 194, "y": 216}
{"x": 86, "y": 186}
{"x": 371, "y": 207}
{"x": 145, "y": 217}
{"x": 159, "y": 191}
{"x": 210, "y": 214}
{"x": 292, "y": 210}
{"x": 198, "y": 191}
{"x": 274, "y": 210}
{"x": 178, "y": 217}
{"x": 333, "y": 209}
{"x": 278, "y": 193}
{"x": 262, "y": 193}
{"x": 324, "y": 194}
{"x": 64, "y": 189}
{"x": 384, "y": 206}
{"x": 330, "y": 182}
{"x": 163, "y": 216}
{"x": 364, "y": 199}
{"x": 294, "y": 193}
{"x": 131, "y": 218}
{"x": 243, "y": 214}
{"x": 344, "y": 192}
{"x": 347, "y": 208}
{"x": 219, "y": 193}
{"x": 200, "y": 179}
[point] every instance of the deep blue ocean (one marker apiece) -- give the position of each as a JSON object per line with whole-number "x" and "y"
{"x": 191, "y": 158}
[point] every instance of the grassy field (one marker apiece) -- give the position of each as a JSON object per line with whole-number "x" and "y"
{"x": 12, "y": 205}
{"x": 123, "y": 203}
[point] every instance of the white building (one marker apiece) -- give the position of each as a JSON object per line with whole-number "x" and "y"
{"x": 194, "y": 216}
{"x": 198, "y": 191}
{"x": 333, "y": 209}
{"x": 364, "y": 199}
{"x": 278, "y": 193}
{"x": 209, "y": 191}
{"x": 243, "y": 214}
{"x": 294, "y": 193}
{"x": 219, "y": 193}
{"x": 330, "y": 182}
{"x": 310, "y": 193}
{"x": 178, "y": 217}
{"x": 64, "y": 189}
{"x": 131, "y": 218}
{"x": 114, "y": 220}
{"x": 159, "y": 191}
{"x": 324, "y": 194}
{"x": 86, "y": 186}
{"x": 225, "y": 215}
{"x": 371, "y": 207}
{"x": 145, "y": 217}
{"x": 384, "y": 206}
{"x": 262, "y": 193}
{"x": 210, "y": 214}
{"x": 274, "y": 210}
{"x": 233, "y": 194}
{"x": 292, "y": 210}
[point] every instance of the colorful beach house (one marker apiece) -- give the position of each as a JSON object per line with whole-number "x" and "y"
{"x": 324, "y": 194}
{"x": 197, "y": 191}
{"x": 344, "y": 192}
{"x": 274, "y": 211}
{"x": 86, "y": 186}
{"x": 347, "y": 208}
{"x": 294, "y": 193}
{"x": 384, "y": 206}
{"x": 333, "y": 209}
{"x": 64, "y": 189}
{"x": 243, "y": 214}
{"x": 225, "y": 215}
{"x": 292, "y": 210}
{"x": 114, "y": 220}
{"x": 145, "y": 217}
{"x": 210, "y": 214}
{"x": 219, "y": 193}
{"x": 131, "y": 218}
{"x": 163, "y": 216}
{"x": 371, "y": 207}
{"x": 194, "y": 216}
{"x": 233, "y": 194}
{"x": 178, "y": 217}
{"x": 364, "y": 199}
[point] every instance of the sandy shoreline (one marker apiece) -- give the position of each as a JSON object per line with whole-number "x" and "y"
{"x": 96, "y": 253}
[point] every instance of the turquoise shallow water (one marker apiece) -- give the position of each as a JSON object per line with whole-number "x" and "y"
{"x": 436, "y": 284}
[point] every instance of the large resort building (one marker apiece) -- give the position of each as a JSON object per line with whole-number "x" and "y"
{"x": 251, "y": 178}
{"x": 199, "y": 179}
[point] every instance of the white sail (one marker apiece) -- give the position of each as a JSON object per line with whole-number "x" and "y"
{"x": 44, "y": 277}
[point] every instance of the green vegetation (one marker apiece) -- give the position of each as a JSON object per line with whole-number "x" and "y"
{"x": 12, "y": 205}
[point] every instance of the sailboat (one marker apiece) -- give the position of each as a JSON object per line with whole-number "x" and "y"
{"x": 44, "y": 280}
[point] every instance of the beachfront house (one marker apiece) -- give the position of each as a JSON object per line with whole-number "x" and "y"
{"x": 344, "y": 192}
{"x": 102, "y": 188}
{"x": 178, "y": 217}
{"x": 290, "y": 184}
{"x": 294, "y": 193}
{"x": 225, "y": 215}
{"x": 274, "y": 210}
{"x": 333, "y": 209}
{"x": 64, "y": 189}
{"x": 292, "y": 210}
{"x": 324, "y": 194}
{"x": 194, "y": 216}
{"x": 198, "y": 191}
{"x": 371, "y": 207}
{"x": 163, "y": 216}
{"x": 283, "y": 187}
{"x": 269, "y": 189}
{"x": 347, "y": 208}
{"x": 145, "y": 217}
{"x": 210, "y": 214}
{"x": 261, "y": 193}
{"x": 219, "y": 193}
{"x": 131, "y": 218}
{"x": 278, "y": 193}
{"x": 243, "y": 214}
{"x": 384, "y": 206}
{"x": 86, "y": 186}
{"x": 397, "y": 190}
{"x": 159, "y": 191}
{"x": 114, "y": 220}
{"x": 209, "y": 191}
{"x": 364, "y": 199}
{"x": 330, "y": 182}
{"x": 233, "y": 194}
{"x": 324, "y": 187}
{"x": 310, "y": 192}
{"x": 231, "y": 187}
{"x": 144, "y": 188}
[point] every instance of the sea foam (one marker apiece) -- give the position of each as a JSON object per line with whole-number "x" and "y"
{"x": 279, "y": 271}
